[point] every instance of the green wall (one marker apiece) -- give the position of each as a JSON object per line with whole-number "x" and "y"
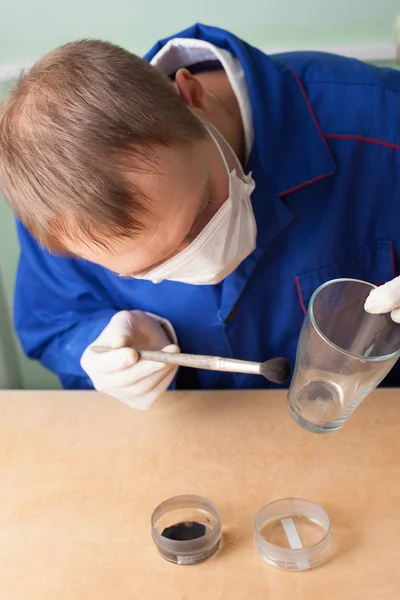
{"x": 16, "y": 370}
{"x": 28, "y": 29}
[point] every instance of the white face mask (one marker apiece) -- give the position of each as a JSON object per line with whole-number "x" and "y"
{"x": 225, "y": 241}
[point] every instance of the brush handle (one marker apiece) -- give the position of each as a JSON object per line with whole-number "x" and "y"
{"x": 195, "y": 361}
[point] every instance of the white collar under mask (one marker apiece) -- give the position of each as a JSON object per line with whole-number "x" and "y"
{"x": 225, "y": 241}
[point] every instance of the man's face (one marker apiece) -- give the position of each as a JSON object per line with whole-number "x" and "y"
{"x": 184, "y": 191}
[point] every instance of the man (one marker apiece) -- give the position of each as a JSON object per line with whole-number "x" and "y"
{"x": 194, "y": 204}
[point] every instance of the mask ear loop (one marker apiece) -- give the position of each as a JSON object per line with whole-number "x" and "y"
{"x": 216, "y": 136}
{"x": 212, "y": 132}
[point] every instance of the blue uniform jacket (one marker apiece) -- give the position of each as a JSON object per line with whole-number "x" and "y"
{"x": 326, "y": 161}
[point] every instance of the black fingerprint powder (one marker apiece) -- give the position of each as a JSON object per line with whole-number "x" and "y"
{"x": 182, "y": 532}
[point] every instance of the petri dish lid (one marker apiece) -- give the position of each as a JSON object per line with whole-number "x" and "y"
{"x": 293, "y": 534}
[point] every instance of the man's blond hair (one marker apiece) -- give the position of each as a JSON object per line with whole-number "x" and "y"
{"x": 72, "y": 127}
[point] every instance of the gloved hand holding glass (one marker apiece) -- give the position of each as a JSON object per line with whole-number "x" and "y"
{"x": 342, "y": 355}
{"x": 385, "y": 298}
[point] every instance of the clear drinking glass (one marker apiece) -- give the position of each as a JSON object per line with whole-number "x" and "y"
{"x": 342, "y": 355}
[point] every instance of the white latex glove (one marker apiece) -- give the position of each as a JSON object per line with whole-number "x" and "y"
{"x": 384, "y": 299}
{"x": 118, "y": 372}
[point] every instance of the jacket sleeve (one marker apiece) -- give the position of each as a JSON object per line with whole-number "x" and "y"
{"x": 60, "y": 308}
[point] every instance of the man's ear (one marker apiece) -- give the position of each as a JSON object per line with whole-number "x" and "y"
{"x": 190, "y": 89}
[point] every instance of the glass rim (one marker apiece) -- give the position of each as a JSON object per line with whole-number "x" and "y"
{"x": 293, "y": 551}
{"x": 310, "y": 313}
{"x": 189, "y": 499}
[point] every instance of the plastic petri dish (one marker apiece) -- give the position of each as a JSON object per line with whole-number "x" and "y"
{"x": 293, "y": 534}
{"x": 186, "y": 529}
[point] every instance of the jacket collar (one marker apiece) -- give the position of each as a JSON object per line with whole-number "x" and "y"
{"x": 289, "y": 150}
{"x": 289, "y": 145}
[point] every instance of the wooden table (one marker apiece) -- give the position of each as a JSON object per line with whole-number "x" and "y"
{"x": 80, "y": 475}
